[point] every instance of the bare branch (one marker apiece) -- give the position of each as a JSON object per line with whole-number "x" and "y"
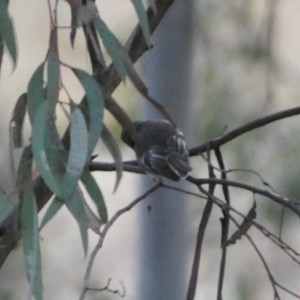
{"x": 200, "y": 235}
{"x": 245, "y": 128}
{"x": 224, "y": 223}
{"x": 121, "y": 293}
{"x": 275, "y": 197}
{"x": 103, "y": 234}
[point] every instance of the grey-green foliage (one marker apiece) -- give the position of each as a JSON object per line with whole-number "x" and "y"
{"x": 61, "y": 162}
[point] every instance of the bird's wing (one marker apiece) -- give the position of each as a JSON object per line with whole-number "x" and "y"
{"x": 155, "y": 159}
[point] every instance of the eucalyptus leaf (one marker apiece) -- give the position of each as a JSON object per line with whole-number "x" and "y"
{"x": 141, "y": 13}
{"x": 35, "y": 92}
{"x": 92, "y": 108}
{"x": 76, "y": 208}
{"x": 39, "y": 133}
{"x": 93, "y": 221}
{"x": 95, "y": 193}
{"x": 114, "y": 150}
{"x": 7, "y": 31}
{"x": 18, "y": 120}
{"x": 111, "y": 44}
{"x": 24, "y": 169}
{"x": 30, "y": 237}
{"x": 53, "y": 71}
{"x": 78, "y": 151}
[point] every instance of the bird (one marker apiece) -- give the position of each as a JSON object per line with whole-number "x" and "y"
{"x": 160, "y": 149}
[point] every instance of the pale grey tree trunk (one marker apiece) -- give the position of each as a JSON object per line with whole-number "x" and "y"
{"x": 165, "y": 231}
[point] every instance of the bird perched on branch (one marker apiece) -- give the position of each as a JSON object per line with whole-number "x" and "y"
{"x": 160, "y": 149}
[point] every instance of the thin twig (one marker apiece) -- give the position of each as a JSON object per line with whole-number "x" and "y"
{"x": 287, "y": 290}
{"x": 103, "y": 234}
{"x": 200, "y": 235}
{"x": 275, "y": 197}
{"x": 121, "y": 293}
{"x": 274, "y": 239}
{"x": 224, "y": 222}
{"x": 264, "y": 182}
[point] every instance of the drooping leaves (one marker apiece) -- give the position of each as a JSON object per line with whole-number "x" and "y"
{"x": 41, "y": 151}
{"x": 29, "y": 224}
{"x": 31, "y": 247}
{"x": 77, "y": 153}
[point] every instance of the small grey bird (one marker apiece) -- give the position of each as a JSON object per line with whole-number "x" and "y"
{"x": 160, "y": 149}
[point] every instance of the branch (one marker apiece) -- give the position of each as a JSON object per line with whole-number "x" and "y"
{"x": 121, "y": 293}
{"x": 275, "y": 197}
{"x": 103, "y": 234}
{"x": 224, "y": 223}
{"x": 131, "y": 167}
{"x": 213, "y": 144}
{"x": 263, "y": 230}
{"x": 200, "y": 236}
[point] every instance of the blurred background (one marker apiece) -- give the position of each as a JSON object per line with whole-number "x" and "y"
{"x": 215, "y": 65}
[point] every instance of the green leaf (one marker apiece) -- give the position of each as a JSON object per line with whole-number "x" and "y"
{"x": 114, "y": 150}
{"x": 18, "y": 119}
{"x": 52, "y": 210}
{"x": 7, "y": 31}
{"x": 76, "y": 208}
{"x": 94, "y": 112}
{"x": 35, "y": 92}
{"x": 141, "y": 13}
{"x": 95, "y": 193}
{"x": 93, "y": 220}
{"x": 40, "y": 151}
{"x": 31, "y": 247}
{"x": 53, "y": 71}
{"x": 24, "y": 169}
{"x": 122, "y": 61}
{"x": 112, "y": 45}
{"x": 78, "y": 151}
